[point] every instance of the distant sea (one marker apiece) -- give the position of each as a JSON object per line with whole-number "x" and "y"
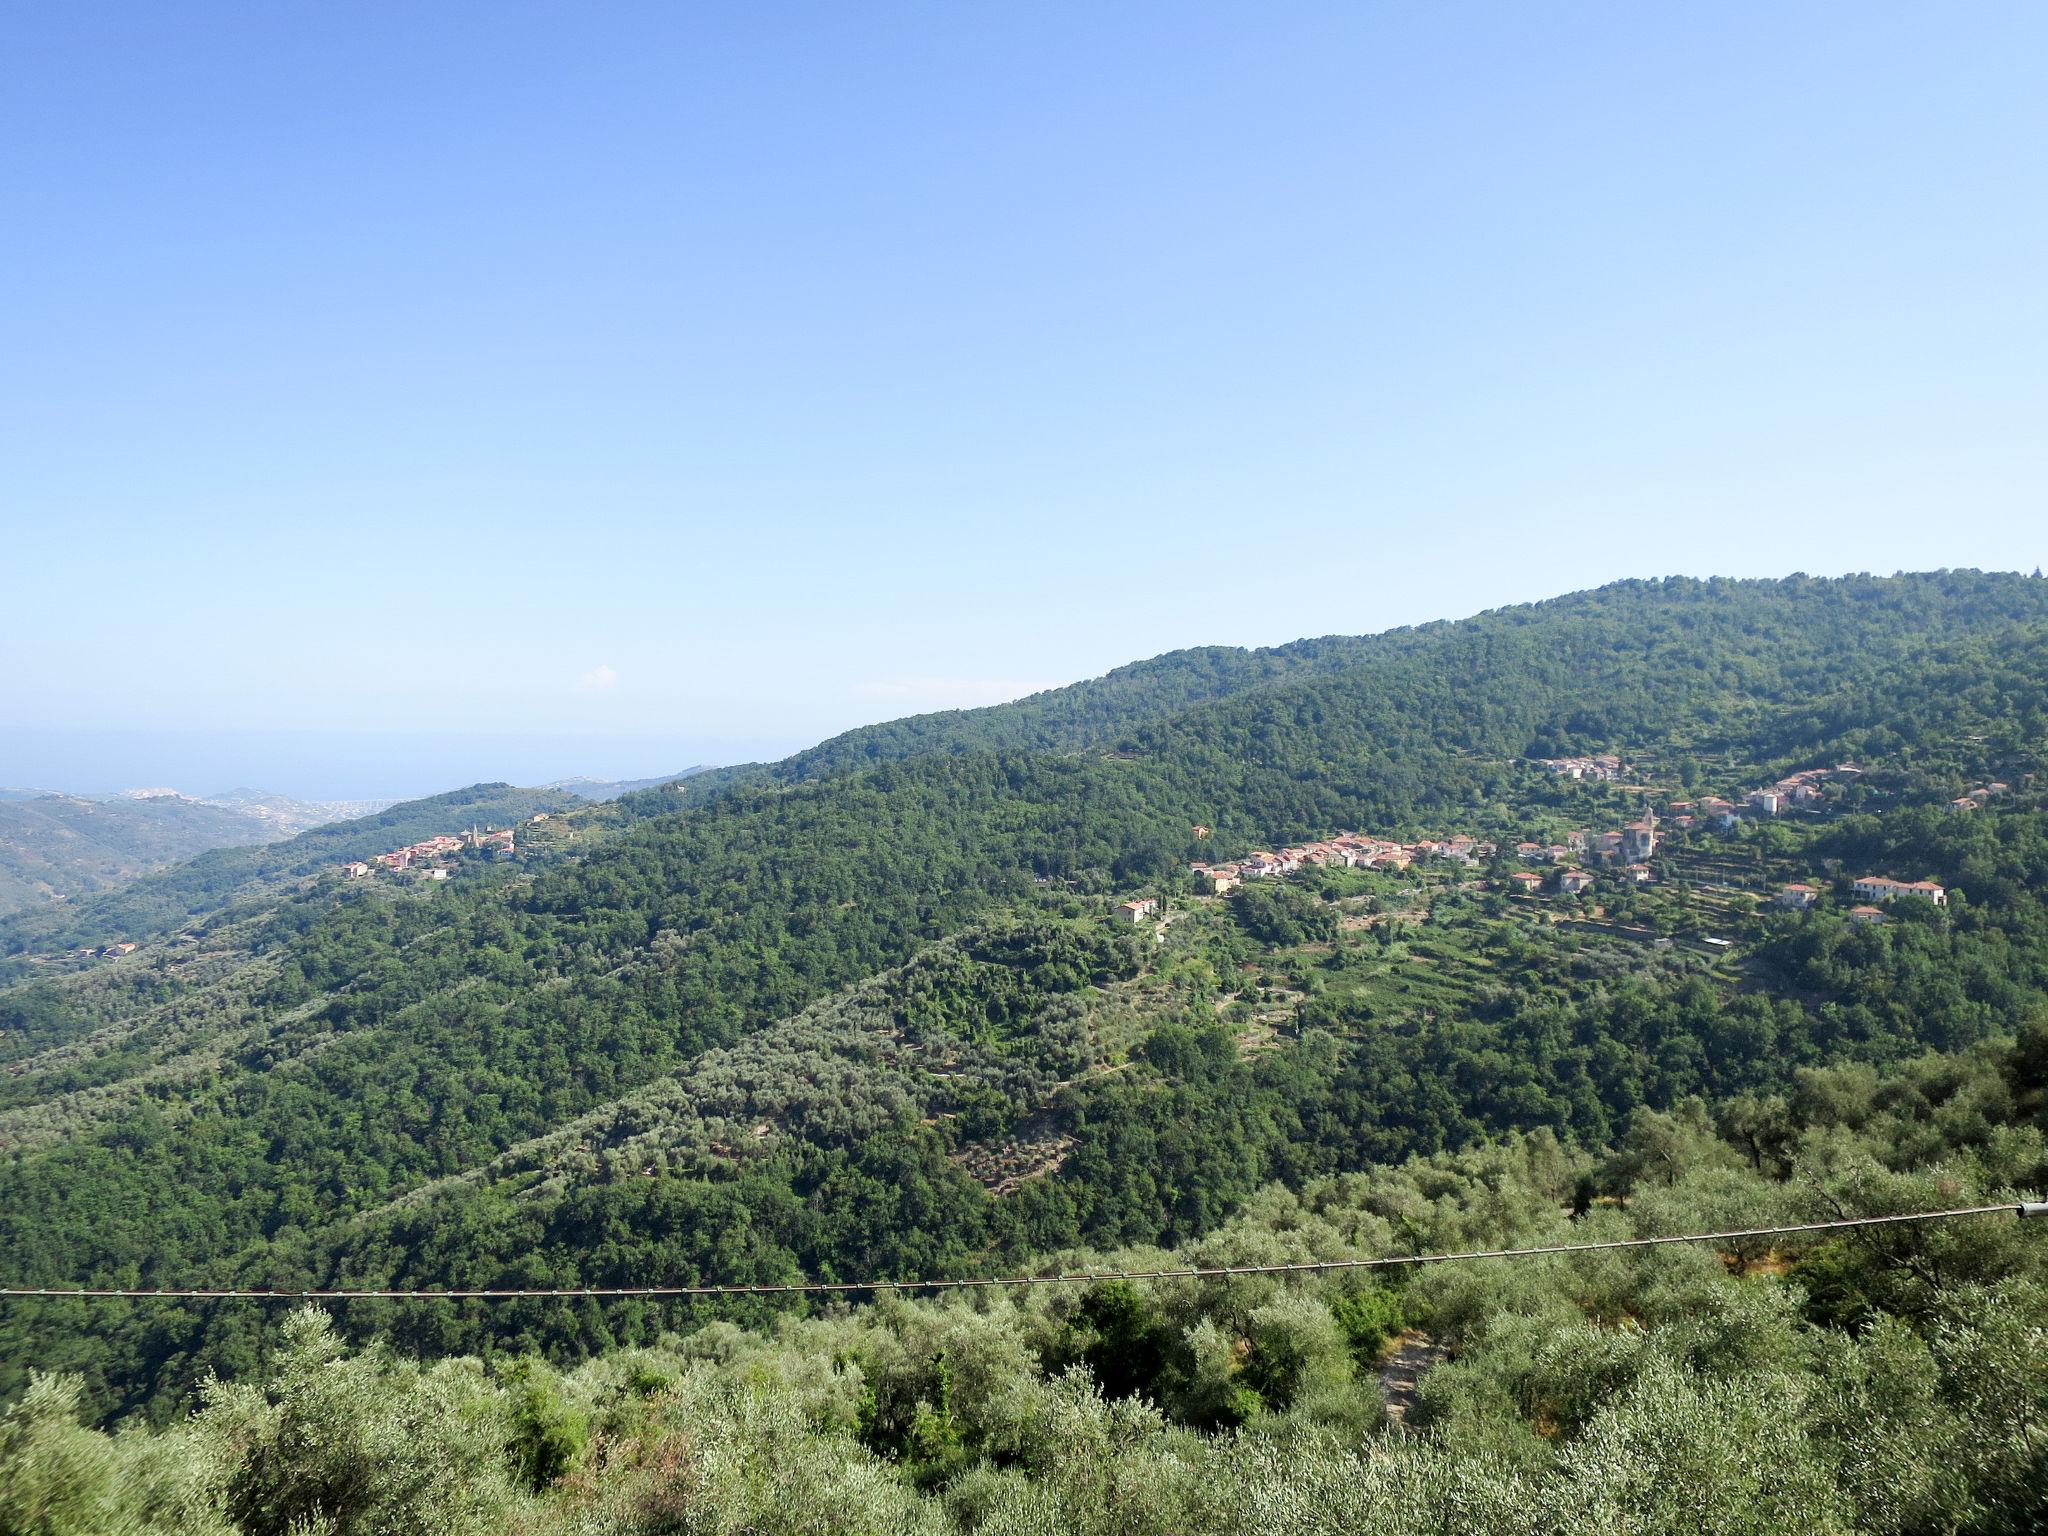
{"x": 310, "y": 765}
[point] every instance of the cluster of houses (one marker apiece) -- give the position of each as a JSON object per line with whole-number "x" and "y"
{"x": 496, "y": 841}
{"x": 1348, "y": 850}
{"x": 1800, "y": 791}
{"x": 1603, "y": 767}
{"x": 1976, "y": 798}
{"x": 1632, "y": 845}
{"x": 1627, "y": 850}
{"x": 1570, "y": 881}
{"x": 1879, "y": 888}
{"x": 1798, "y": 897}
{"x": 104, "y": 952}
{"x": 1805, "y": 790}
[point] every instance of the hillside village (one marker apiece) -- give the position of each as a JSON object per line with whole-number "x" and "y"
{"x": 1800, "y": 897}
{"x": 1806, "y": 790}
{"x": 1568, "y": 867}
{"x": 1628, "y": 848}
{"x": 1603, "y": 767}
{"x": 498, "y": 842}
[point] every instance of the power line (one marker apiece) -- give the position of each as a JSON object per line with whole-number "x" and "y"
{"x": 2024, "y": 1209}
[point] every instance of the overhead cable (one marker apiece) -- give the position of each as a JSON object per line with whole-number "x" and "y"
{"x": 2023, "y": 1209}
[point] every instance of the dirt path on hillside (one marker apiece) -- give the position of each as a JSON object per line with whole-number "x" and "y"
{"x": 1402, "y": 1371}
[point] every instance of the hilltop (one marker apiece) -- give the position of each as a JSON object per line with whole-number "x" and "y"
{"x": 612, "y": 789}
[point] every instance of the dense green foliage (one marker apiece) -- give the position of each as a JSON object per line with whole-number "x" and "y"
{"x": 1891, "y": 1381}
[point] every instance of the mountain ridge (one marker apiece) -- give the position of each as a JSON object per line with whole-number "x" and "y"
{"x": 1098, "y": 711}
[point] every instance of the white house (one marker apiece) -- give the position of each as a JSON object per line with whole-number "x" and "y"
{"x": 1878, "y": 888}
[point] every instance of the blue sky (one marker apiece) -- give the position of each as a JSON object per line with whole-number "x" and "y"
{"x": 399, "y": 395}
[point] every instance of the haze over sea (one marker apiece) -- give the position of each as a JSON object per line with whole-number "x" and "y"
{"x": 418, "y": 395}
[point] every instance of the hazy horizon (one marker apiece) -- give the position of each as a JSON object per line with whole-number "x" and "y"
{"x": 367, "y": 765}
{"x": 317, "y": 766}
{"x": 401, "y": 396}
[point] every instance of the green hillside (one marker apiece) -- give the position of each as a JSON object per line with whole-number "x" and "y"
{"x": 62, "y": 848}
{"x": 1886, "y": 1381}
{"x": 876, "y": 1020}
{"x": 1721, "y": 637}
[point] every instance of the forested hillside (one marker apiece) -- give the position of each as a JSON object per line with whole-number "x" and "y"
{"x": 61, "y": 847}
{"x": 1883, "y": 1381}
{"x": 1706, "y": 647}
{"x": 872, "y": 1013}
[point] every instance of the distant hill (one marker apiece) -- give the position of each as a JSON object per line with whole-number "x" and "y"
{"x": 159, "y": 902}
{"x": 63, "y": 847}
{"x": 611, "y": 789}
{"x": 290, "y": 815}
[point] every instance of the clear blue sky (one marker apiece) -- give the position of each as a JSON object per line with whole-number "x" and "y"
{"x": 397, "y": 395}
